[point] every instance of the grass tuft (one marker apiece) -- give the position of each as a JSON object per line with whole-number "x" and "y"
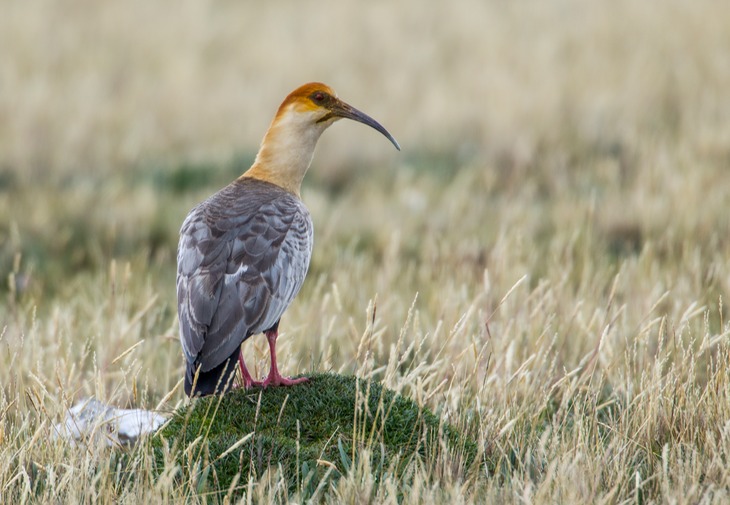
{"x": 313, "y": 434}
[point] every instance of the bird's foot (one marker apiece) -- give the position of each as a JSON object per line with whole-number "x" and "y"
{"x": 252, "y": 384}
{"x": 278, "y": 380}
{"x": 248, "y": 384}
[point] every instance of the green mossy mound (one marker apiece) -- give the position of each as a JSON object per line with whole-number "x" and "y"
{"x": 313, "y": 431}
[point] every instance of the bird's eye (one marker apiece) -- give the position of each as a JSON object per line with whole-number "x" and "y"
{"x": 318, "y": 96}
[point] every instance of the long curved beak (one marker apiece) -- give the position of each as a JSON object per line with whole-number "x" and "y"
{"x": 344, "y": 110}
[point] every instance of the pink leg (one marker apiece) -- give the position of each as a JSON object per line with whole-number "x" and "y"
{"x": 248, "y": 381}
{"x": 274, "y": 378}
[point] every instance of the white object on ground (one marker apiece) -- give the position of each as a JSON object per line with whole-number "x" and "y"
{"x": 91, "y": 419}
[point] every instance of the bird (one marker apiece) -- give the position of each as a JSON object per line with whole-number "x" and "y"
{"x": 244, "y": 252}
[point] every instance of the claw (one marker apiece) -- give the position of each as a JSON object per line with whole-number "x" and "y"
{"x": 279, "y": 380}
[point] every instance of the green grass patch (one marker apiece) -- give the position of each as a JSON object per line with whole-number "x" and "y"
{"x": 314, "y": 433}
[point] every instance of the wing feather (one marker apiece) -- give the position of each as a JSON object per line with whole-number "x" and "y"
{"x": 242, "y": 258}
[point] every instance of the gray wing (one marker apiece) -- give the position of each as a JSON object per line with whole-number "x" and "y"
{"x": 242, "y": 259}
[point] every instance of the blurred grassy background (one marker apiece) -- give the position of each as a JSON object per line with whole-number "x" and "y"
{"x": 584, "y": 145}
{"x": 115, "y": 118}
{"x": 97, "y": 87}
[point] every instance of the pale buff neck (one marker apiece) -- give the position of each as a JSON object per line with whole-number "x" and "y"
{"x": 287, "y": 150}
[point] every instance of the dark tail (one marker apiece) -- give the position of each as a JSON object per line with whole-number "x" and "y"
{"x": 215, "y": 380}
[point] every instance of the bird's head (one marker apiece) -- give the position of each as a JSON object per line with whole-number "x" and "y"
{"x": 317, "y": 104}
{"x": 288, "y": 146}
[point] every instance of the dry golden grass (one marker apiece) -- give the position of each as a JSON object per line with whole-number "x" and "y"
{"x": 549, "y": 255}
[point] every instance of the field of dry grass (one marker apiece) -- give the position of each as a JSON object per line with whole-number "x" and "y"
{"x": 546, "y": 264}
